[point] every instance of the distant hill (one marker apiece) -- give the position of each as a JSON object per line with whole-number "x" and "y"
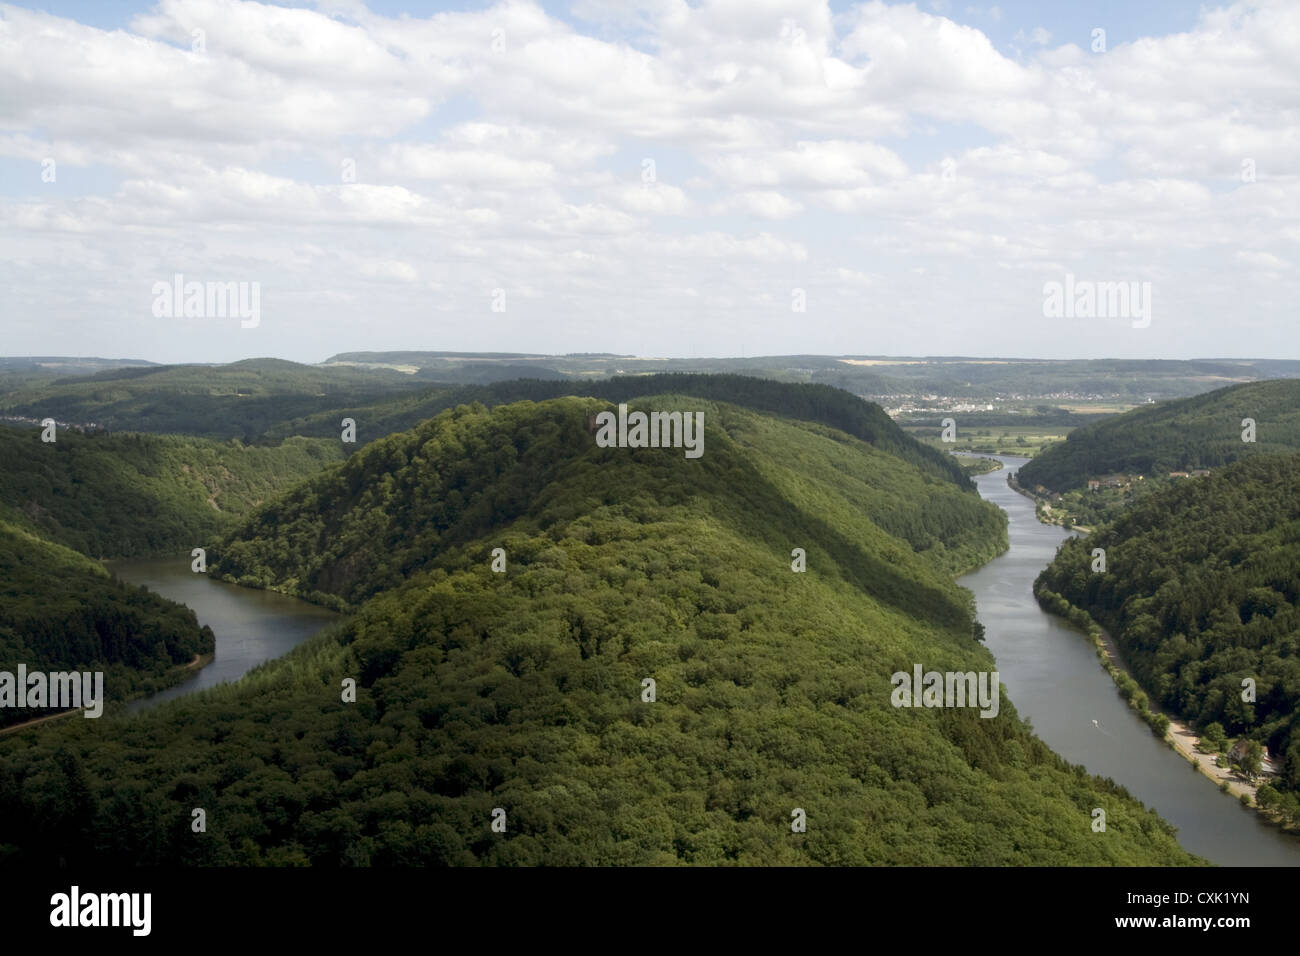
{"x": 240, "y": 400}
{"x": 819, "y": 403}
{"x": 416, "y": 358}
{"x": 123, "y": 495}
{"x": 259, "y": 398}
{"x": 66, "y": 364}
{"x": 1204, "y": 431}
{"x": 1127, "y": 381}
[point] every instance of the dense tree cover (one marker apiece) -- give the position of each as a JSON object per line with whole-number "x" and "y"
{"x": 369, "y": 522}
{"x": 125, "y": 494}
{"x": 267, "y": 398}
{"x": 240, "y": 400}
{"x": 270, "y": 399}
{"x": 815, "y": 403}
{"x": 1204, "y": 431}
{"x": 523, "y": 690}
{"x": 1201, "y": 590}
{"x": 61, "y": 611}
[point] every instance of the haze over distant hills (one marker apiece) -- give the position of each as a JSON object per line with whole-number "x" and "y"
{"x": 25, "y": 382}
{"x": 866, "y": 374}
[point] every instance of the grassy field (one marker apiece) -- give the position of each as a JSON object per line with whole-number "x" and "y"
{"x": 980, "y": 466}
{"x": 1026, "y": 440}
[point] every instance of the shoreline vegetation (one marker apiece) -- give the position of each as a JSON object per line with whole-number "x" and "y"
{"x": 173, "y": 677}
{"x": 1174, "y": 731}
{"x": 1043, "y": 508}
{"x": 979, "y": 464}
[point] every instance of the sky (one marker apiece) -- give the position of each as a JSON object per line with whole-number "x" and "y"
{"x": 649, "y": 177}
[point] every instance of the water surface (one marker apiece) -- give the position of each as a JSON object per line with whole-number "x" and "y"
{"x": 251, "y": 626}
{"x": 1052, "y": 674}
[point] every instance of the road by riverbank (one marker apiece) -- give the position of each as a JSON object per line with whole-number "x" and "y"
{"x": 1185, "y": 740}
{"x": 1180, "y": 736}
{"x": 1058, "y": 682}
{"x": 200, "y": 661}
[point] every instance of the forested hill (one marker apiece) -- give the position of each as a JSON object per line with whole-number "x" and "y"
{"x": 60, "y": 611}
{"x": 394, "y": 506}
{"x": 815, "y": 403}
{"x": 267, "y": 400}
{"x": 240, "y": 400}
{"x": 114, "y": 495}
{"x": 1204, "y": 431}
{"x": 647, "y": 680}
{"x": 1201, "y": 589}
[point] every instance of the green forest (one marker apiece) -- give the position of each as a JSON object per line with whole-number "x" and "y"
{"x": 99, "y": 495}
{"x": 1200, "y": 590}
{"x": 121, "y": 495}
{"x": 61, "y": 611}
{"x": 1204, "y": 431}
{"x": 815, "y": 403}
{"x": 524, "y": 690}
{"x": 241, "y": 400}
{"x": 399, "y": 502}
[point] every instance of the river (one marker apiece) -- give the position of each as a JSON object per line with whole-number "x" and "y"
{"x": 1050, "y": 670}
{"x": 1052, "y": 674}
{"x": 251, "y": 626}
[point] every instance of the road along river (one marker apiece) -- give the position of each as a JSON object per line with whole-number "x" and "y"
{"x": 1052, "y": 674}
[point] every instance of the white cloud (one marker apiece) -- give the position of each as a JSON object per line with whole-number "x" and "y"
{"x": 1262, "y": 259}
{"x": 647, "y": 199}
{"x": 1038, "y": 36}
{"x": 390, "y": 269}
{"x": 790, "y": 142}
{"x": 763, "y": 203}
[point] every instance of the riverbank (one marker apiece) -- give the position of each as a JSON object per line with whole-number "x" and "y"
{"x": 1043, "y": 508}
{"x": 251, "y": 625}
{"x": 172, "y": 678}
{"x": 1178, "y": 734}
{"x": 1060, "y": 683}
{"x": 978, "y": 464}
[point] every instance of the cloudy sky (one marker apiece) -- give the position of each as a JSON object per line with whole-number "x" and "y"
{"x": 657, "y": 177}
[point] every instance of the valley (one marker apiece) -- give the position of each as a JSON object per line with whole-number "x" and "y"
{"x": 508, "y": 582}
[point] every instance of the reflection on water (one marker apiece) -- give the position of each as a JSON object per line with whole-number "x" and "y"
{"x": 251, "y": 626}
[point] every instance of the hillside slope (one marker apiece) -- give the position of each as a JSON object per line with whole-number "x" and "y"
{"x": 109, "y": 495}
{"x": 391, "y": 508}
{"x": 1204, "y": 431}
{"x": 526, "y": 690}
{"x": 813, "y": 403}
{"x": 60, "y": 611}
{"x": 1202, "y": 590}
{"x": 240, "y": 400}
